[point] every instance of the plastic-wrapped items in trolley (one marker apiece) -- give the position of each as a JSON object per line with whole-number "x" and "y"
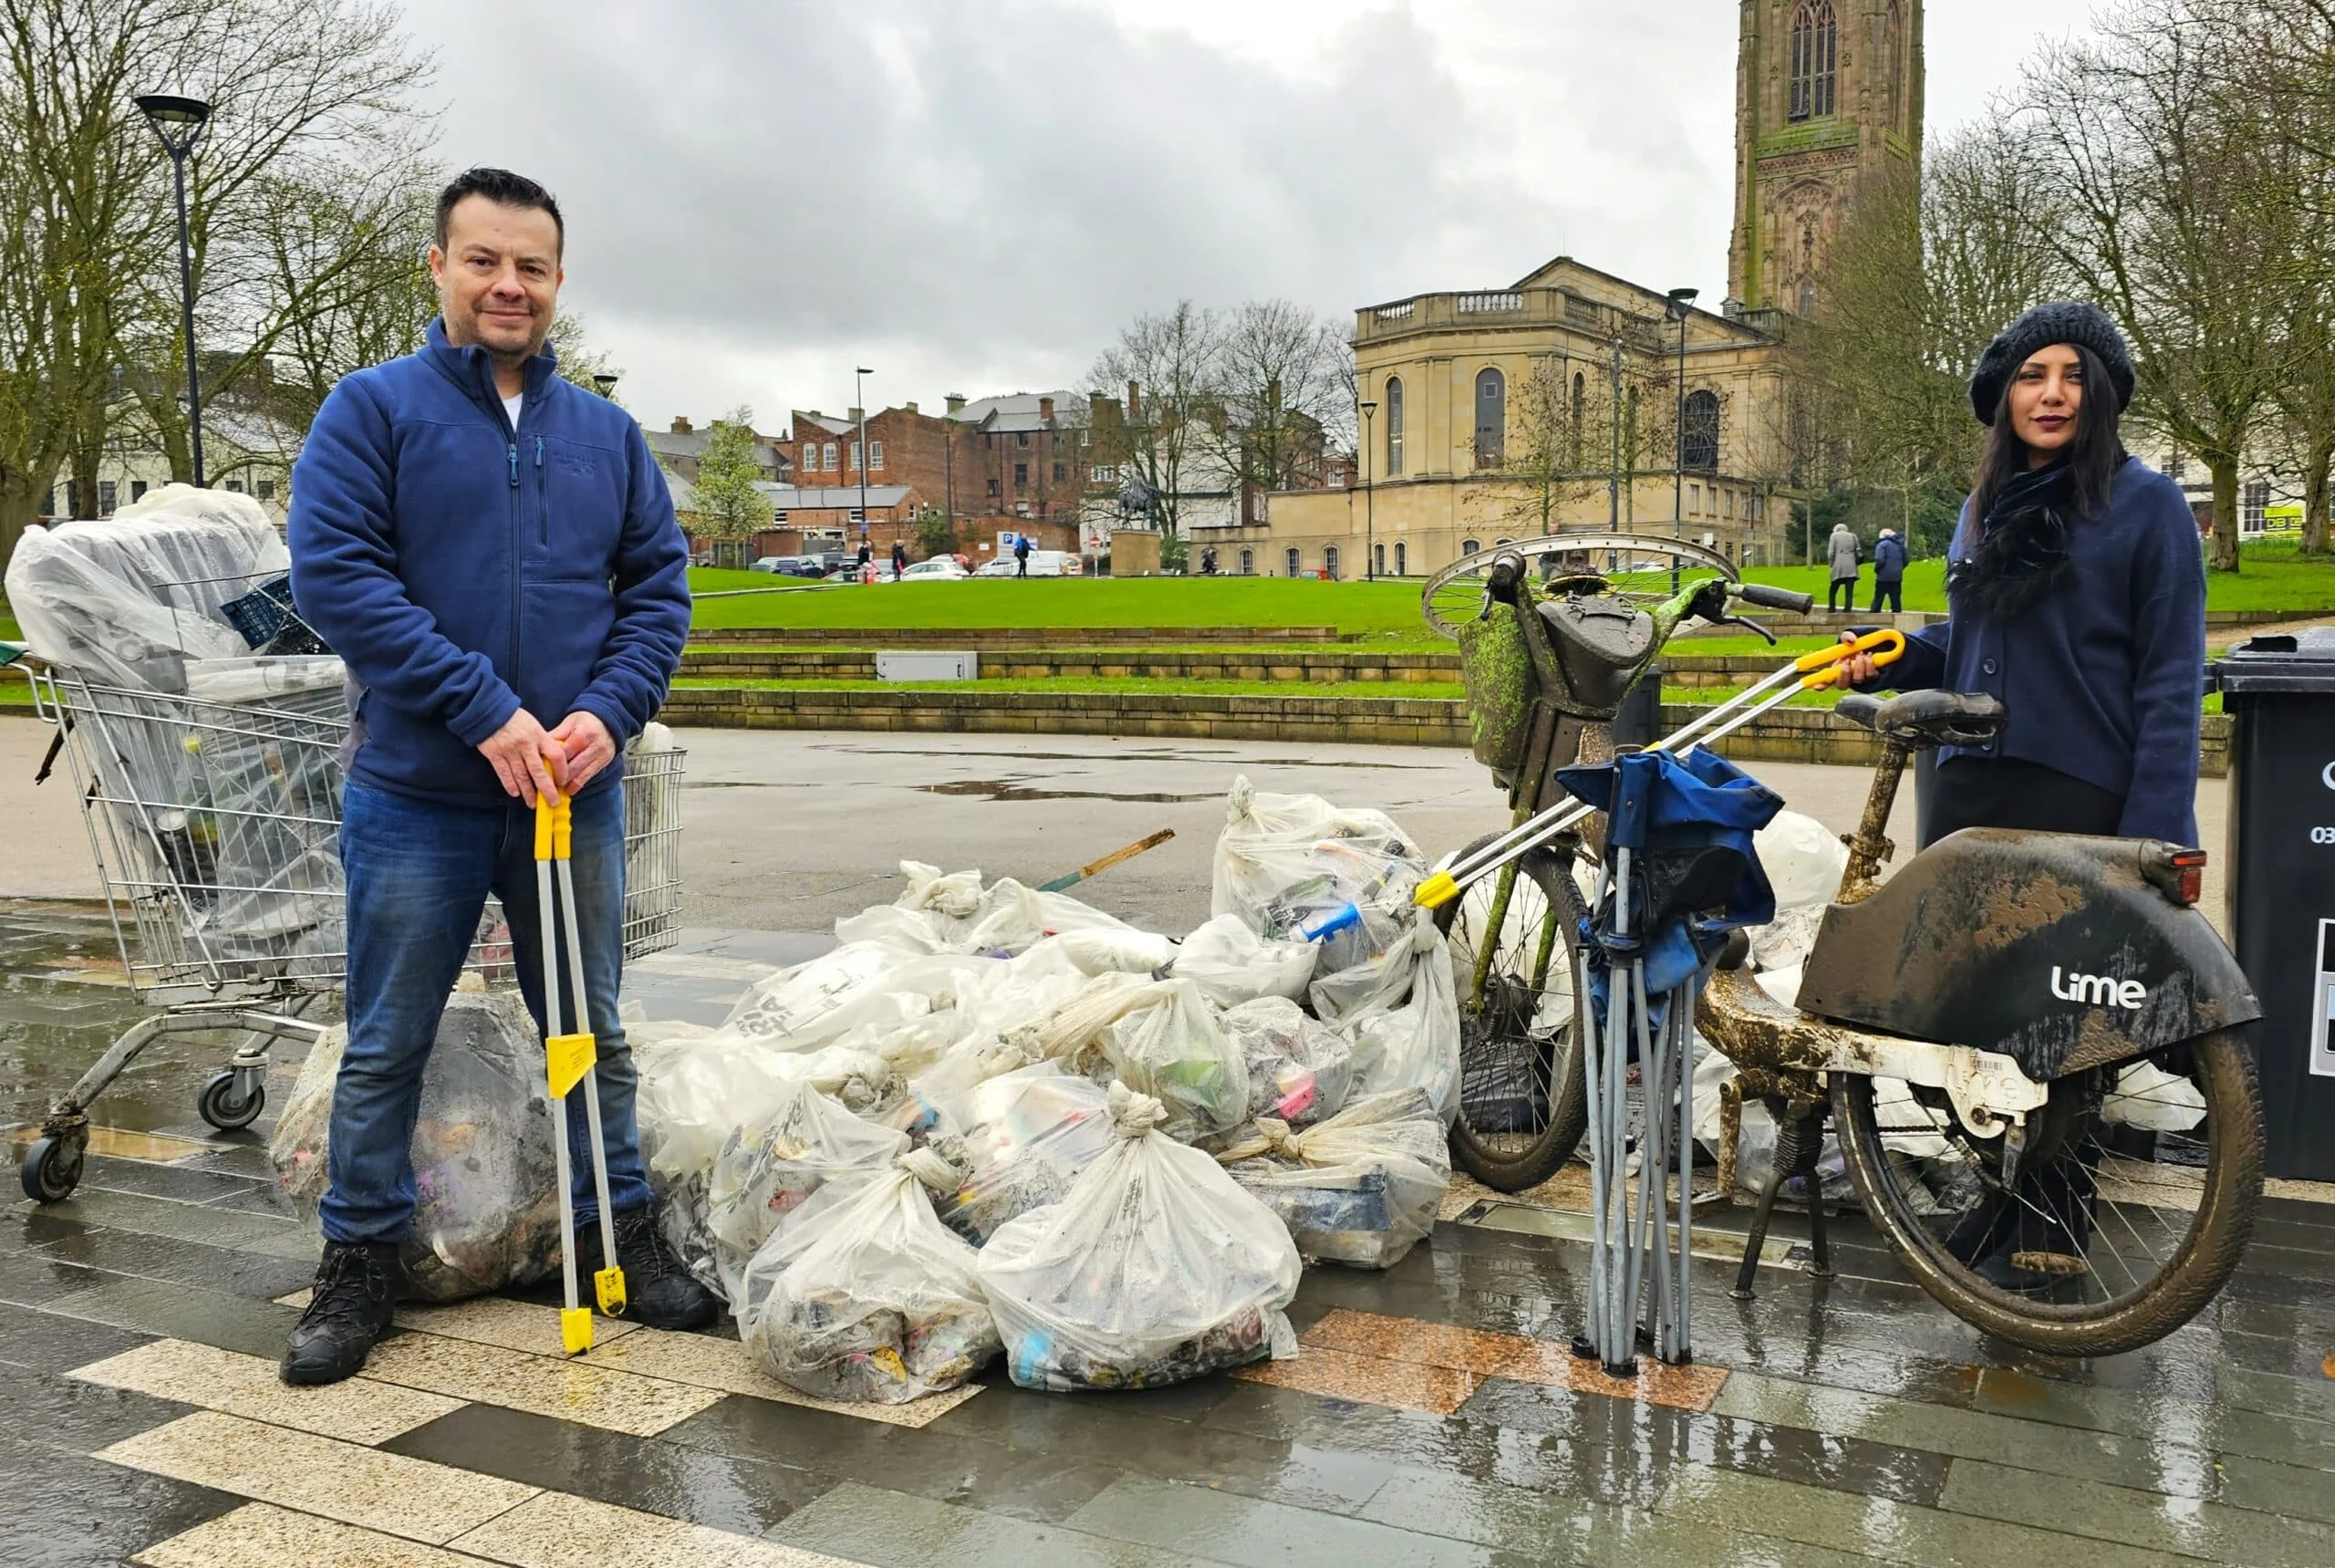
{"x": 128, "y": 600}
{"x": 1296, "y": 868}
{"x": 1029, "y": 1135}
{"x": 485, "y": 1176}
{"x": 1156, "y": 1267}
{"x": 1300, "y": 1069}
{"x": 1361, "y": 1187}
{"x": 874, "y": 1299}
{"x": 805, "y": 1156}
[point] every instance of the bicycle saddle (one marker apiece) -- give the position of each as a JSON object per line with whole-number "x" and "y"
{"x": 1924, "y": 719}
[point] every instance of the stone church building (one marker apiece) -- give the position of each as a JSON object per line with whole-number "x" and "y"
{"x": 1490, "y": 415}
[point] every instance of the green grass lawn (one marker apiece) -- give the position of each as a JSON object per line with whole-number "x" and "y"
{"x": 1383, "y": 612}
{"x": 2272, "y": 576}
{"x": 1132, "y": 685}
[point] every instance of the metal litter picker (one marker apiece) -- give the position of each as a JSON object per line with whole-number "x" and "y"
{"x": 569, "y": 1059}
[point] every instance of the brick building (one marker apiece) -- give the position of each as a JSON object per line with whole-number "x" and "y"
{"x": 678, "y": 450}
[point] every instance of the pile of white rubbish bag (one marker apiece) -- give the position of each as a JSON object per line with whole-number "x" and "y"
{"x": 994, "y": 1121}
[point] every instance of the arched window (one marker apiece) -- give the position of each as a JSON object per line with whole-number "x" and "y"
{"x": 1491, "y": 418}
{"x": 1378, "y": 560}
{"x": 1402, "y": 567}
{"x": 1580, "y": 403}
{"x": 1294, "y": 560}
{"x": 1815, "y": 57}
{"x": 1469, "y": 546}
{"x": 1394, "y": 425}
{"x": 1330, "y": 562}
{"x": 1698, "y": 436}
{"x": 1248, "y": 562}
{"x": 1896, "y": 47}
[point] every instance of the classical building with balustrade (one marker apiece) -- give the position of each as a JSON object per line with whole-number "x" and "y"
{"x": 1576, "y": 399}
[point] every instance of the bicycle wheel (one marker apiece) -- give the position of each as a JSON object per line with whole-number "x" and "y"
{"x": 1522, "y": 1100}
{"x": 2109, "y": 1238}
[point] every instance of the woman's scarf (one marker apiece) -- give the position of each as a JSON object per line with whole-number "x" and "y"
{"x": 2021, "y": 558}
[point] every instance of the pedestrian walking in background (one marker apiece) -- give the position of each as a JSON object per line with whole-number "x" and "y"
{"x": 1889, "y": 571}
{"x": 899, "y": 557}
{"x": 1021, "y": 555}
{"x": 1844, "y": 550}
{"x": 493, "y": 553}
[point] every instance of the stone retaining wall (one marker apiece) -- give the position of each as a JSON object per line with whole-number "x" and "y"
{"x": 1041, "y": 664}
{"x": 983, "y": 638}
{"x": 1787, "y": 735}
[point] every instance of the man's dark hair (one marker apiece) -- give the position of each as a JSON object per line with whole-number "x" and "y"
{"x": 502, "y": 188}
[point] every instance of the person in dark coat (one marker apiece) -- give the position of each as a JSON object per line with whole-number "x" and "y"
{"x": 1843, "y": 551}
{"x": 1021, "y": 555}
{"x": 1889, "y": 571}
{"x": 2077, "y": 591}
{"x": 899, "y": 557}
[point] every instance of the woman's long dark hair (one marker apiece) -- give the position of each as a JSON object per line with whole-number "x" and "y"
{"x": 2093, "y": 457}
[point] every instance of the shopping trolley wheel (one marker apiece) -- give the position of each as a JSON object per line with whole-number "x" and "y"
{"x": 219, "y": 1105}
{"x": 52, "y": 1169}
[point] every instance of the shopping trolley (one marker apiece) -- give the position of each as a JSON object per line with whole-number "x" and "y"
{"x": 214, "y": 816}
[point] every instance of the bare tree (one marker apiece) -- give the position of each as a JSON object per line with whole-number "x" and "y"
{"x": 1282, "y": 398}
{"x": 2180, "y": 219}
{"x": 1169, "y": 368}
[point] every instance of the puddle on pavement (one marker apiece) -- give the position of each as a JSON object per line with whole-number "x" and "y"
{"x": 1151, "y": 755}
{"x": 1000, "y": 789}
{"x": 63, "y": 1001}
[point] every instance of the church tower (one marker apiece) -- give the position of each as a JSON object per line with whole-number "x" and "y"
{"x": 1828, "y": 95}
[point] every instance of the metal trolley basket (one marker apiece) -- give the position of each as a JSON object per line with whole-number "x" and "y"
{"x": 214, "y": 816}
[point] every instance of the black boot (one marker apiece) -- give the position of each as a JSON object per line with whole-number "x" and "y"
{"x": 659, "y": 1291}
{"x": 357, "y": 1287}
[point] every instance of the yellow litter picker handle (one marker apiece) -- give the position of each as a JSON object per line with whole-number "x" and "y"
{"x": 1828, "y": 667}
{"x": 555, "y": 827}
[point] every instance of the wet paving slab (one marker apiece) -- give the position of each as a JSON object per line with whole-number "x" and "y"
{"x": 1432, "y": 1416}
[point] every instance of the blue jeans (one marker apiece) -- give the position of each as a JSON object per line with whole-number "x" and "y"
{"x": 418, "y": 873}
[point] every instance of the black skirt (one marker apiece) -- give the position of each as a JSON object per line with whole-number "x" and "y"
{"x": 2003, "y": 791}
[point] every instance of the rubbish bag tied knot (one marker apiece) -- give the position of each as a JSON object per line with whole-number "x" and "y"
{"x": 1132, "y": 1113}
{"x": 930, "y": 1169}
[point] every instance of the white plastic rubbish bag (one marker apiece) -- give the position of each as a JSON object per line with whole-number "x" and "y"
{"x": 1029, "y": 1135}
{"x": 1232, "y": 964}
{"x": 2148, "y": 1098}
{"x": 874, "y": 1299}
{"x": 1361, "y": 1187}
{"x": 484, "y": 1175}
{"x": 1300, "y": 1070}
{"x": 1156, "y": 1267}
{"x": 697, "y": 1089}
{"x": 1294, "y": 866}
{"x": 859, "y": 987}
{"x": 1175, "y": 1051}
{"x": 1408, "y": 1038}
{"x": 780, "y": 1170}
{"x": 953, "y": 913}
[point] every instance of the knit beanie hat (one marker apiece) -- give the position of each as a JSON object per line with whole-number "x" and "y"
{"x": 2084, "y": 325}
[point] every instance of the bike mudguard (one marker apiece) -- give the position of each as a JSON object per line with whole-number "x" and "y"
{"x": 2050, "y": 949}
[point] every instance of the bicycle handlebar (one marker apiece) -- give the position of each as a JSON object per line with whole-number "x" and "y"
{"x": 1767, "y": 597}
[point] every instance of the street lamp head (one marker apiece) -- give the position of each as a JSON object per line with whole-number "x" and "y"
{"x": 1682, "y": 302}
{"x": 177, "y": 120}
{"x": 863, "y": 371}
{"x": 1369, "y": 409}
{"x": 606, "y": 383}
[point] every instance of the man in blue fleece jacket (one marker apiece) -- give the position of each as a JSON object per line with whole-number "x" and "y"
{"x": 492, "y": 551}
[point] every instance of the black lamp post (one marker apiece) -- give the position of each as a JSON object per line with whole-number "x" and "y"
{"x": 859, "y": 401}
{"x": 604, "y": 384}
{"x": 1369, "y": 510}
{"x": 178, "y": 122}
{"x": 1682, "y": 305}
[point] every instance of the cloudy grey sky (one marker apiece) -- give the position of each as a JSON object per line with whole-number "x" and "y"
{"x": 973, "y": 196}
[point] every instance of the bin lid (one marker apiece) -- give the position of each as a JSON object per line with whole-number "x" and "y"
{"x": 2288, "y": 662}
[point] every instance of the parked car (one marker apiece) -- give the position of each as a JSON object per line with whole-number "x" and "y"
{"x": 1042, "y": 564}
{"x": 939, "y": 569}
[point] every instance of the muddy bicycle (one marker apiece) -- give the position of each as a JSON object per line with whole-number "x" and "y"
{"x": 2070, "y": 1154}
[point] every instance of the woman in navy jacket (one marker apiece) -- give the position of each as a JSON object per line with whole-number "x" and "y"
{"x": 2078, "y": 598}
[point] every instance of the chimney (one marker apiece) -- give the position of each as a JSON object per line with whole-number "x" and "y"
{"x": 1046, "y": 410}
{"x": 1096, "y": 403}
{"x": 855, "y": 415}
{"x": 956, "y": 402}
{"x": 1135, "y": 401}
{"x": 680, "y": 425}
{"x": 910, "y": 407}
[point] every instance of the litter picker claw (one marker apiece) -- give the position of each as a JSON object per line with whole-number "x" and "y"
{"x": 1816, "y": 671}
{"x": 569, "y": 1061}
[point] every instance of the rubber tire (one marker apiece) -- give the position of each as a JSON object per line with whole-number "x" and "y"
{"x": 2198, "y": 1270}
{"x": 1569, "y": 1095}
{"x": 52, "y": 1169}
{"x": 218, "y": 1105}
